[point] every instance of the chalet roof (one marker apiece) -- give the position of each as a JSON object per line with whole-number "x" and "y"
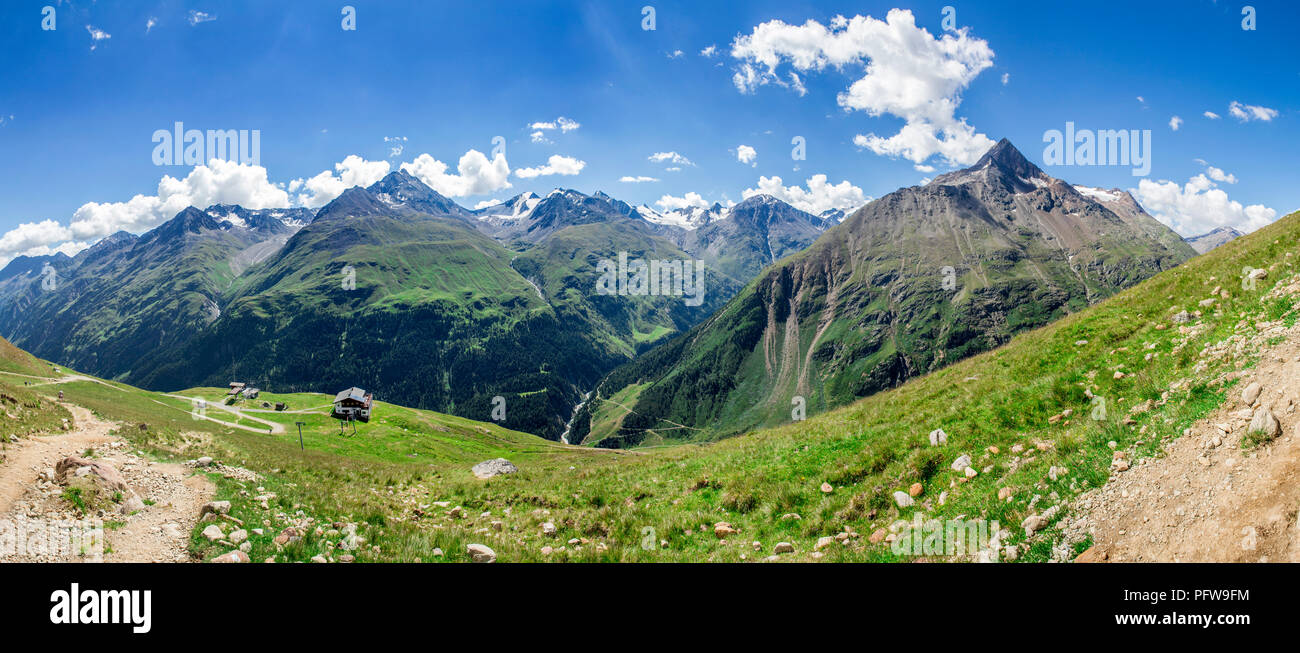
{"x": 236, "y": 384}
{"x": 351, "y": 393}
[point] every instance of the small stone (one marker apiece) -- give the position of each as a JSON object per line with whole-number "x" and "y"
{"x": 823, "y": 542}
{"x": 481, "y": 553}
{"x": 962, "y": 462}
{"x": 495, "y": 467}
{"x": 233, "y": 556}
{"x": 877, "y": 536}
{"x": 783, "y": 547}
{"x": 238, "y": 536}
{"x": 903, "y": 499}
{"x": 1263, "y": 423}
{"x": 722, "y": 529}
{"x": 1005, "y": 493}
{"x": 548, "y": 529}
{"x": 827, "y": 489}
{"x": 915, "y": 490}
{"x": 938, "y": 438}
{"x": 213, "y": 533}
{"x": 1251, "y": 393}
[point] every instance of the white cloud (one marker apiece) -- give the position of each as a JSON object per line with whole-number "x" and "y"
{"x": 637, "y": 180}
{"x": 746, "y": 154}
{"x": 477, "y": 175}
{"x": 148, "y": 25}
{"x": 817, "y": 198}
{"x": 907, "y": 73}
{"x": 1175, "y": 122}
{"x": 562, "y": 124}
{"x": 1219, "y": 175}
{"x": 1199, "y": 205}
{"x": 670, "y": 157}
{"x": 197, "y": 17}
{"x": 1211, "y": 115}
{"x": 675, "y": 54}
{"x": 555, "y": 165}
{"x": 398, "y": 143}
{"x": 921, "y": 167}
{"x": 1006, "y": 78}
{"x": 1248, "y": 112}
{"x": 709, "y": 51}
{"x": 1141, "y": 99}
{"x": 324, "y": 187}
{"x": 218, "y": 182}
{"x": 689, "y": 200}
{"x": 486, "y": 203}
{"x": 97, "y": 35}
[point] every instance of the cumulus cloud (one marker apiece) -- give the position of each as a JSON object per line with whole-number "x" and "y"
{"x": 819, "y": 196}
{"x": 486, "y": 203}
{"x": 218, "y": 182}
{"x": 670, "y": 157}
{"x": 746, "y": 154}
{"x": 709, "y": 51}
{"x": 555, "y": 165}
{"x": 906, "y": 72}
{"x": 687, "y": 201}
{"x": 1006, "y": 78}
{"x": 1175, "y": 122}
{"x": 324, "y": 187}
{"x": 1200, "y": 205}
{"x": 637, "y": 180}
{"x": 1211, "y": 115}
{"x": 476, "y": 174}
{"x": 1249, "y": 112}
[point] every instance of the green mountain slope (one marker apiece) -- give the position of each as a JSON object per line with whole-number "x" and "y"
{"x": 910, "y": 283}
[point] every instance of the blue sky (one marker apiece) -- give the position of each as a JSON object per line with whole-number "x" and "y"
{"x": 79, "y": 112}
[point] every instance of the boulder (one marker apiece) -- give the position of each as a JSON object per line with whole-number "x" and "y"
{"x": 903, "y": 499}
{"x": 1251, "y": 393}
{"x": 215, "y": 507}
{"x": 783, "y": 547}
{"x": 481, "y": 553}
{"x": 1264, "y": 423}
{"x": 1182, "y": 317}
{"x": 238, "y": 537}
{"x": 233, "y": 556}
{"x": 961, "y": 463}
{"x": 494, "y": 467}
{"x": 722, "y": 529}
{"x": 823, "y": 542}
{"x": 938, "y": 438}
{"x": 213, "y": 533}
{"x": 100, "y": 473}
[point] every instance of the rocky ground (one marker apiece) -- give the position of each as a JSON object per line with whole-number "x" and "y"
{"x": 1210, "y": 497}
{"x": 159, "y": 505}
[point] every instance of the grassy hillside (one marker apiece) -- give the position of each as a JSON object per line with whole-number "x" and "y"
{"x": 661, "y": 503}
{"x": 24, "y": 410}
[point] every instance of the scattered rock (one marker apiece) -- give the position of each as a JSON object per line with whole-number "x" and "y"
{"x": 494, "y": 467}
{"x": 1092, "y": 555}
{"x": 1182, "y": 317}
{"x": 827, "y": 489}
{"x": 722, "y": 529}
{"x": 915, "y": 490}
{"x": 238, "y": 536}
{"x": 233, "y": 556}
{"x": 1005, "y": 493}
{"x": 1251, "y": 393}
{"x": 481, "y": 553}
{"x": 1263, "y": 423}
{"x": 938, "y": 438}
{"x": 213, "y": 533}
{"x": 903, "y": 499}
{"x": 823, "y": 542}
{"x": 963, "y": 462}
{"x": 783, "y": 547}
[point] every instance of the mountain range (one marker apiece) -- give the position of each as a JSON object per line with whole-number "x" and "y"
{"x": 911, "y": 282}
{"x": 1209, "y": 240}
{"x": 394, "y": 288}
